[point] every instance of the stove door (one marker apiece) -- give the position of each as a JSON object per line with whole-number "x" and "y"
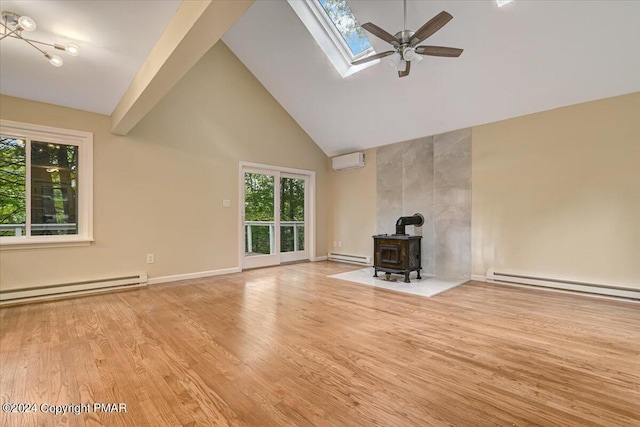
{"x": 390, "y": 255}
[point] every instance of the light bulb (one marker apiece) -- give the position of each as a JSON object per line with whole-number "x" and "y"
{"x": 417, "y": 58}
{"x": 402, "y": 66}
{"x": 409, "y": 54}
{"x": 72, "y": 49}
{"x": 26, "y": 23}
{"x": 54, "y": 60}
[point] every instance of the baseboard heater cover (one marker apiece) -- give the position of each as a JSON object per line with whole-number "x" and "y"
{"x": 353, "y": 259}
{"x": 62, "y": 290}
{"x": 563, "y": 284}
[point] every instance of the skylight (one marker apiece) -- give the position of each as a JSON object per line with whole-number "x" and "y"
{"x": 337, "y": 32}
{"x": 347, "y": 25}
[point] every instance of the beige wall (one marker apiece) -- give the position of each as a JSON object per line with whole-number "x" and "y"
{"x": 160, "y": 189}
{"x": 554, "y": 194}
{"x": 353, "y": 202}
{"x": 557, "y": 194}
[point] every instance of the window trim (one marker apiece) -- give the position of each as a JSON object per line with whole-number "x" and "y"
{"x": 314, "y": 17}
{"x": 84, "y": 142}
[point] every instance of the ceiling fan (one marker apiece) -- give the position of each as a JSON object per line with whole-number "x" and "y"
{"x": 405, "y": 43}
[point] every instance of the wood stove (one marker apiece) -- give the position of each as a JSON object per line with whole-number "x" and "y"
{"x": 398, "y": 253}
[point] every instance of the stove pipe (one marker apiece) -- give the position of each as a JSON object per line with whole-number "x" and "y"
{"x": 416, "y": 219}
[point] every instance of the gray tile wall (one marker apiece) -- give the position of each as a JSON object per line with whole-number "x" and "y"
{"x": 452, "y": 166}
{"x": 431, "y": 176}
{"x": 388, "y": 180}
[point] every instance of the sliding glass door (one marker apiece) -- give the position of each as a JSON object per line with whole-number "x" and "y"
{"x": 274, "y": 216}
{"x": 293, "y": 191}
{"x": 259, "y": 219}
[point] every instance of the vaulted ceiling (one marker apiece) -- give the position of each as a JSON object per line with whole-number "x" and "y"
{"x": 525, "y": 57}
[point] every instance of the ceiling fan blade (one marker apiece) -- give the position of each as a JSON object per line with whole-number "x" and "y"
{"x": 405, "y": 73}
{"x": 372, "y": 57}
{"x": 427, "y": 30}
{"x": 439, "y": 51}
{"x": 380, "y": 33}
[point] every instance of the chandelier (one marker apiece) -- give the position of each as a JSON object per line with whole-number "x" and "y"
{"x": 13, "y": 26}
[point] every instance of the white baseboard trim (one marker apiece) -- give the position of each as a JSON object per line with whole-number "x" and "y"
{"x": 565, "y": 291}
{"x": 350, "y": 259}
{"x": 319, "y": 258}
{"x": 89, "y": 292}
{"x": 71, "y": 289}
{"x": 197, "y": 275}
{"x": 478, "y": 278}
{"x": 566, "y": 285}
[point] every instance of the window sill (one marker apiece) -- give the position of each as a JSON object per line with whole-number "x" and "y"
{"x": 8, "y": 244}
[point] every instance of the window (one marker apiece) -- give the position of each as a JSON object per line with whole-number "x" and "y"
{"x": 347, "y": 26}
{"x": 337, "y": 31}
{"x": 45, "y": 186}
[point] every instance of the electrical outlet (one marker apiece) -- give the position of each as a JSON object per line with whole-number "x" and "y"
{"x": 151, "y": 258}
{"x": 226, "y": 203}
{"x": 339, "y": 243}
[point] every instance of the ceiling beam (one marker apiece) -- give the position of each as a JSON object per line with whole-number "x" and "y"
{"x": 195, "y": 28}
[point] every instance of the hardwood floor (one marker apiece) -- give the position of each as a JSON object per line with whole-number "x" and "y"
{"x": 289, "y": 346}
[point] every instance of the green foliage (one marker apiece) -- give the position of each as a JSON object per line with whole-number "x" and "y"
{"x": 258, "y": 198}
{"x": 291, "y": 199}
{"x": 53, "y": 170}
{"x": 259, "y": 206}
{"x": 259, "y": 195}
{"x": 13, "y": 203}
{"x": 53, "y": 183}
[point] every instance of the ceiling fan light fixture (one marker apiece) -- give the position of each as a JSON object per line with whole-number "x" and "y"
{"x": 26, "y": 23}
{"x": 503, "y": 2}
{"x": 409, "y": 54}
{"x": 406, "y": 42}
{"x": 394, "y": 60}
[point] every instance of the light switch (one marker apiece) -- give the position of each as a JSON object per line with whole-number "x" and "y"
{"x": 226, "y": 203}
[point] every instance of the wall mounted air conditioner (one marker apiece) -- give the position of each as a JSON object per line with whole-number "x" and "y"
{"x": 348, "y": 161}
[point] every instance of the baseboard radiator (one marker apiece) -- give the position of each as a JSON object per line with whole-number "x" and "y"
{"x": 352, "y": 259}
{"x": 66, "y": 290}
{"x": 562, "y": 284}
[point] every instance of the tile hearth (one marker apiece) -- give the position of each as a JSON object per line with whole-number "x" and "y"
{"x": 428, "y": 286}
